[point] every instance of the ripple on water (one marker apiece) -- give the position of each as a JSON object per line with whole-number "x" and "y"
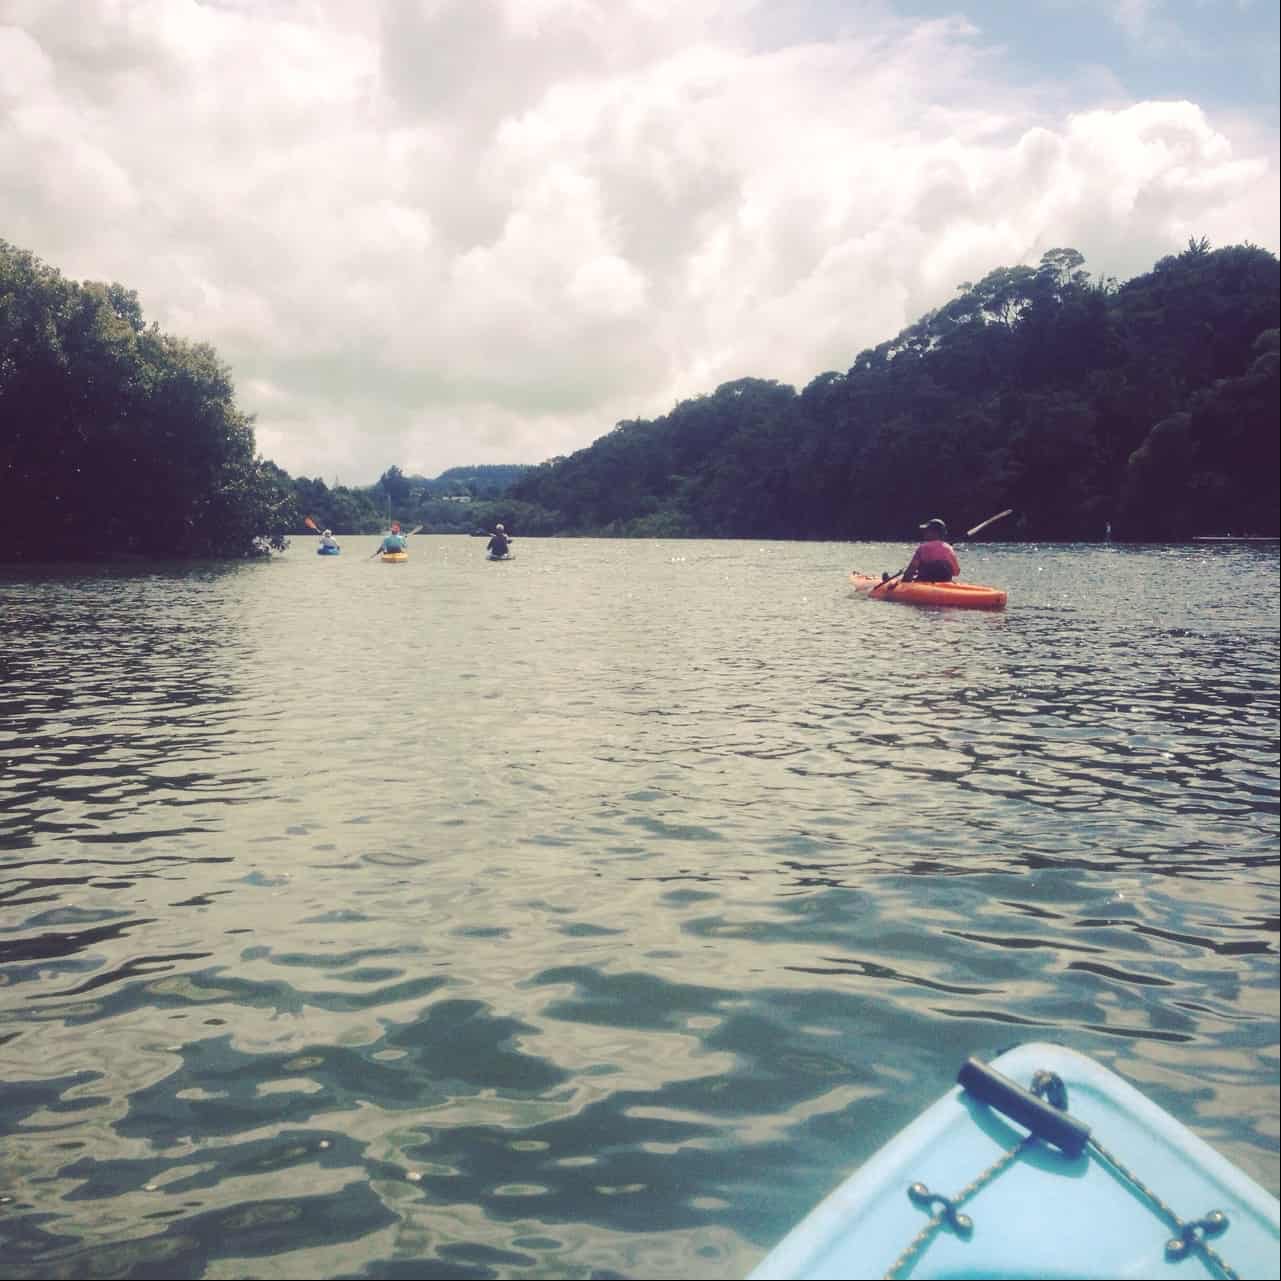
{"x": 594, "y": 917}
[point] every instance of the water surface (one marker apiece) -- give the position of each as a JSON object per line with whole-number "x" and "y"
{"x": 592, "y": 914}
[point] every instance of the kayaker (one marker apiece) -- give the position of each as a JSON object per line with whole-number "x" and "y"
{"x": 395, "y": 541}
{"x": 327, "y": 539}
{"x": 934, "y": 561}
{"x": 499, "y": 544}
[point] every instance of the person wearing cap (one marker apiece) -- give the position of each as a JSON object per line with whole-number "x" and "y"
{"x": 934, "y": 561}
{"x": 499, "y": 545}
{"x": 394, "y": 542}
{"x": 327, "y": 539}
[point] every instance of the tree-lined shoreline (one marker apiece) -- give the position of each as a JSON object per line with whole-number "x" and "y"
{"x": 1141, "y": 411}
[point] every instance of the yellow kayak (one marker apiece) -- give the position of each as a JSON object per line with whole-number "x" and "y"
{"x": 393, "y": 558}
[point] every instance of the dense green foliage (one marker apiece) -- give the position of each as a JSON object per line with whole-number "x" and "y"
{"x": 1149, "y": 409}
{"x": 117, "y": 439}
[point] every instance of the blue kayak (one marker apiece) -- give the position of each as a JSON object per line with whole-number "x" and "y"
{"x": 328, "y": 551}
{"x": 1040, "y": 1164}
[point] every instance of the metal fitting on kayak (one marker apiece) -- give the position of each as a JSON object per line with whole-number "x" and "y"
{"x": 933, "y": 1202}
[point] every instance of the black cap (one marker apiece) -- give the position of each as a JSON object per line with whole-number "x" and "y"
{"x": 935, "y": 523}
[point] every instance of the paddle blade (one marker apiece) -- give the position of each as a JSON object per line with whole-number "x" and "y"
{"x": 311, "y": 524}
{"x": 991, "y": 520}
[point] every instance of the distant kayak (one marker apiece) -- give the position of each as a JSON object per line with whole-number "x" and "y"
{"x": 1110, "y": 1186}
{"x": 328, "y": 551}
{"x": 393, "y": 558}
{"x": 505, "y": 556}
{"x": 959, "y": 595}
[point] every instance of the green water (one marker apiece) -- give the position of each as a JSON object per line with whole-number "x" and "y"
{"x": 592, "y": 914}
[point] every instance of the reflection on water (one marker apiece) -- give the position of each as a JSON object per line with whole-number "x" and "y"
{"x": 593, "y": 914}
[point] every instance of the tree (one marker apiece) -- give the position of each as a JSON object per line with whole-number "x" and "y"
{"x": 116, "y": 438}
{"x": 396, "y": 486}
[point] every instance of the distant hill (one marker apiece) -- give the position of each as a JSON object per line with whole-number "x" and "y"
{"x": 462, "y": 500}
{"x": 488, "y": 480}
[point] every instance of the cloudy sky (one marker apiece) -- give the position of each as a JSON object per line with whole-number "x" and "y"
{"x": 441, "y": 232}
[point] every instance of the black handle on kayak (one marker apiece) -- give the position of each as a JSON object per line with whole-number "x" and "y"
{"x": 1065, "y": 1132}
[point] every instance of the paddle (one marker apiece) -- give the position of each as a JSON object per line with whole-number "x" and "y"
{"x": 991, "y": 520}
{"x": 311, "y": 524}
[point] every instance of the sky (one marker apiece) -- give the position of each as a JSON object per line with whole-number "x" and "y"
{"x": 437, "y": 233}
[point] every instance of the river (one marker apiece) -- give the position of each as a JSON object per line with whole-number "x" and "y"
{"x": 594, "y": 913}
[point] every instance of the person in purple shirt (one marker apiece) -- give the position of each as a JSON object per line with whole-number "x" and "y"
{"x": 934, "y": 561}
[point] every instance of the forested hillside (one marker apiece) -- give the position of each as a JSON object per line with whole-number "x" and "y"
{"x": 1149, "y": 408}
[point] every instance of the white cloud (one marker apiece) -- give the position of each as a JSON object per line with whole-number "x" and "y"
{"x": 478, "y": 231}
{"x": 27, "y": 68}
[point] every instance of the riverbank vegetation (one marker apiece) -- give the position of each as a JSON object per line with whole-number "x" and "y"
{"x": 116, "y": 438}
{"x": 1145, "y": 410}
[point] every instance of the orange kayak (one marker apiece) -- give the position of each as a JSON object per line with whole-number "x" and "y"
{"x": 958, "y": 595}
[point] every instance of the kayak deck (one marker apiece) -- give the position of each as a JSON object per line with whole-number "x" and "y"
{"x": 393, "y": 558}
{"x": 1038, "y": 1213}
{"x": 956, "y": 594}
